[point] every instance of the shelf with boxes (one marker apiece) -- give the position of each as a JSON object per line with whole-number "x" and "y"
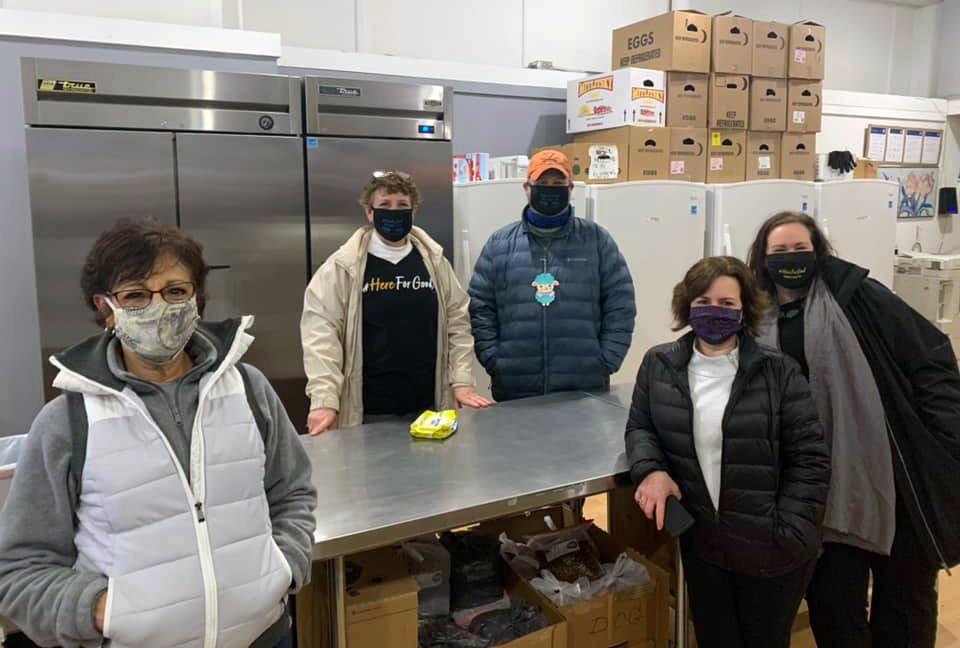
{"x": 701, "y": 98}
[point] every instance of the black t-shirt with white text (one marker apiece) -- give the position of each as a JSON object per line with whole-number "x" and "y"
{"x": 399, "y": 336}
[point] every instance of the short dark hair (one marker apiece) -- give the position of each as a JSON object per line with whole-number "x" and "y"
{"x": 701, "y": 276}
{"x": 392, "y": 182}
{"x": 129, "y": 250}
{"x": 757, "y": 259}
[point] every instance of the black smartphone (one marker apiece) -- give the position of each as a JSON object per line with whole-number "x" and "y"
{"x": 676, "y": 519}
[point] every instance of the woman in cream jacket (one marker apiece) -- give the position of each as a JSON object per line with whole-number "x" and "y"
{"x": 385, "y": 327}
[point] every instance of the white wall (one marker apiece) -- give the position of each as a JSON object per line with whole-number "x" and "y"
{"x": 471, "y": 32}
{"x": 576, "y": 34}
{"x": 302, "y": 23}
{"x": 205, "y": 13}
{"x": 872, "y": 46}
{"x": 948, "y": 72}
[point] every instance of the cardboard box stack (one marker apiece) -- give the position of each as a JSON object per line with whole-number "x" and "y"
{"x": 701, "y": 98}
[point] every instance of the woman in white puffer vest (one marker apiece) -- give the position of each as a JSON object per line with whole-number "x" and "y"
{"x": 164, "y": 499}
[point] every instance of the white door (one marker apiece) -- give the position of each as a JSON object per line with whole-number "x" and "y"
{"x": 659, "y": 227}
{"x": 479, "y": 210}
{"x": 736, "y": 211}
{"x": 859, "y": 218}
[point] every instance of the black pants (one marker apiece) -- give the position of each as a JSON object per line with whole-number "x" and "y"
{"x": 903, "y": 613}
{"x": 731, "y": 610}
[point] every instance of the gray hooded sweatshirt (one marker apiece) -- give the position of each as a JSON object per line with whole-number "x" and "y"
{"x": 39, "y": 589}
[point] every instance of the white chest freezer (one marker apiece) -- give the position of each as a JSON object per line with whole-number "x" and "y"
{"x": 736, "y": 211}
{"x": 859, "y": 217}
{"x": 659, "y": 228}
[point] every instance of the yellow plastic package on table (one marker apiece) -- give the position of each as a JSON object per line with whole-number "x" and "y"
{"x": 435, "y": 425}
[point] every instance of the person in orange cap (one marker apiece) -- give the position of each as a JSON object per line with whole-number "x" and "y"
{"x": 551, "y": 299}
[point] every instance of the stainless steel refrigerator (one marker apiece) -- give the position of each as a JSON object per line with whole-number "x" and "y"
{"x": 354, "y": 128}
{"x": 217, "y": 154}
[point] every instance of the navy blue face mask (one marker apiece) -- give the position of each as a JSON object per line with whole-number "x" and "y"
{"x": 393, "y": 224}
{"x": 549, "y": 200}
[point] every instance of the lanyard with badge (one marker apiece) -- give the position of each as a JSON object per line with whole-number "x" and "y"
{"x": 545, "y": 285}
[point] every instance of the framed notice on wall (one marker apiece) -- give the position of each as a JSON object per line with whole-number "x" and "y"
{"x": 903, "y": 146}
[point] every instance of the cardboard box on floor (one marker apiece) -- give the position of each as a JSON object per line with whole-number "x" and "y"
{"x": 763, "y": 156}
{"x": 619, "y": 98}
{"x": 554, "y": 635}
{"x": 768, "y": 104}
{"x": 805, "y": 106}
{"x": 728, "y": 157}
{"x": 687, "y": 99}
{"x": 688, "y": 154}
{"x": 770, "y": 41}
{"x": 807, "y": 53}
{"x": 732, "y": 44}
{"x": 798, "y": 158}
{"x": 729, "y": 101}
{"x": 381, "y": 607}
{"x": 636, "y": 618}
{"x": 678, "y": 41}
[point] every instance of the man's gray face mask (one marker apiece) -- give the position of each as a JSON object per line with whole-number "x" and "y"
{"x": 158, "y": 332}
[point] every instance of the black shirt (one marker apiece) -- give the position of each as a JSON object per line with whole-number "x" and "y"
{"x": 399, "y": 336}
{"x": 791, "y": 333}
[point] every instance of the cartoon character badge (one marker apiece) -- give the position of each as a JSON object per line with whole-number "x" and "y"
{"x": 546, "y": 286}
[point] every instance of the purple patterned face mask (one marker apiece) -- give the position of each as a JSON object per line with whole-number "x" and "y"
{"x": 715, "y": 324}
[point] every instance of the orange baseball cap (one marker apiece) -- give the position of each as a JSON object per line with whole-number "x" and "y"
{"x": 546, "y": 160}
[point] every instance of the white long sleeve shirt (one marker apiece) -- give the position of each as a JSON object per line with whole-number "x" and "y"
{"x": 711, "y": 381}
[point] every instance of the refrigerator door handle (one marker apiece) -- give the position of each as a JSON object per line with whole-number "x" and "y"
{"x": 467, "y": 259}
{"x": 727, "y": 240}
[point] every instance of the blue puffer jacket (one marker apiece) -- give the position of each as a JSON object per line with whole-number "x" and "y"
{"x": 576, "y": 341}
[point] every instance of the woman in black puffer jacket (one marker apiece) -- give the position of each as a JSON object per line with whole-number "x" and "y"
{"x": 729, "y": 428}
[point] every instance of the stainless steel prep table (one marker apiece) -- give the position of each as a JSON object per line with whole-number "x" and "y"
{"x": 377, "y": 486}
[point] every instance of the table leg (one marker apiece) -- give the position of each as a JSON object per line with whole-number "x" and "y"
{"x": 682, "y": 624}
{"x": 340, "y": 593}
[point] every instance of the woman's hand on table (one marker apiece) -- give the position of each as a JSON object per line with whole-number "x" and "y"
{"x": 468, "y": 397}
{"x": 321, "y": 420}
{"x": 652, "y": 495}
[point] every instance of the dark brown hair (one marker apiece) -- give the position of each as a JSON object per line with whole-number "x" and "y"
{"x": 701, "y": 276}
{"x": 392, "y": 182}
{"x": 757, "y": 259}
{"x": 129, "y": 250}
